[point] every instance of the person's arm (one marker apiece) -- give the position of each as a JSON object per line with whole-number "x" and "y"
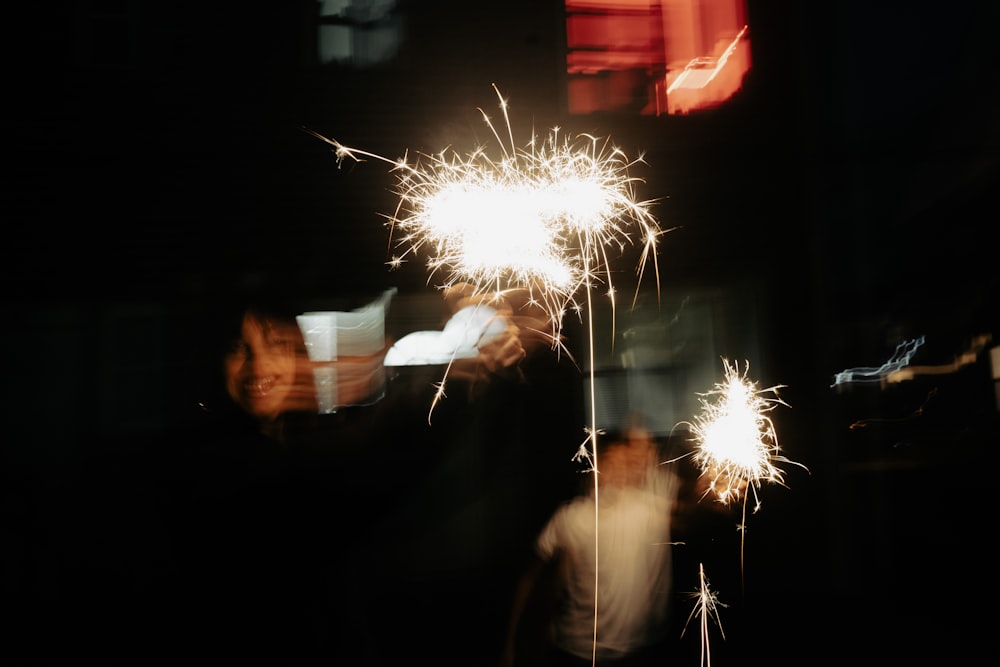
{"x": 523, "y": 331}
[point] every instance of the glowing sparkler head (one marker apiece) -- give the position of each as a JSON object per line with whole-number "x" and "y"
{"x": 736, "y": 440}
{"x": 540, "y": 217}
{"x": 489, "y": 232}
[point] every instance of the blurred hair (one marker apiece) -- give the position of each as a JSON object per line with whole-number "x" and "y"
{"x": 269, "y": 309}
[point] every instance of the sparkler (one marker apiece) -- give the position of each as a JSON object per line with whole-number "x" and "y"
{"x": 736, "y": 443}
{"x": 543, "y": 218}
{"x": 540, "y": 218}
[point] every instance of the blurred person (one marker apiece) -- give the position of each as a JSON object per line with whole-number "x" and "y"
{"x": 269, "y": 378}
{"x": 248, "y": 508}
{"x": 632, "y": 558}
{"x": 268, "y": 389}
{"x": 264, "y": 368}
{"x": 281, "y": 511}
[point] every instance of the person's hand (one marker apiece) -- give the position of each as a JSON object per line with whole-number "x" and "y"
{"x": 504, "y": 351}
{"x": 723, "y": 484}
{"x": 520, "y": 307}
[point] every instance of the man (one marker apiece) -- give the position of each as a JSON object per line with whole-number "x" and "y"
{"x": 609, "y": 550}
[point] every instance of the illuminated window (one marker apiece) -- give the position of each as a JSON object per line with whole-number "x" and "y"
{"x": 359, "y": 33}
{"x": 654, "y": 57}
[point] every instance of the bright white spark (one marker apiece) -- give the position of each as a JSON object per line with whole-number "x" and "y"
{"x": 542, "y": 217}
{"x": 736, "y": 442}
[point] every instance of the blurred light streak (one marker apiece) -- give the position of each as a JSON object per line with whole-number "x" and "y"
{"x": 700, "y": 72}
{"x": 966, "y": 358}
{"x": 899, "y": 359}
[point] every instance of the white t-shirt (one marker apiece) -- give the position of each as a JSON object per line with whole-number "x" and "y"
{"x": 632, "y": 556}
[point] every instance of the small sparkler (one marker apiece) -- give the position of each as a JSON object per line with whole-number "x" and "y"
{"x": 706, "y": 607}
{"x": 736, "y": 443}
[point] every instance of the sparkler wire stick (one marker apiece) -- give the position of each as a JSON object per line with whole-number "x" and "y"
{"x": 584, "y": 454}
{"x": 593, "y": 436}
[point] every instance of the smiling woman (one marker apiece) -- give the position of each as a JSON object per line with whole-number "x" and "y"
{"x": 262, "y": 366}
{"x": 255, "y": 377}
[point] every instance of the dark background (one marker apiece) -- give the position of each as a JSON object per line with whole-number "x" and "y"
{"x": 850, "y": 187}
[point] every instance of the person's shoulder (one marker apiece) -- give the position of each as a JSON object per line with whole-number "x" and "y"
{"x": 573, "y": 509}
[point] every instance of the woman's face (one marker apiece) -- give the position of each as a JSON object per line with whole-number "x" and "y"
{"x": 260, "y": 367}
